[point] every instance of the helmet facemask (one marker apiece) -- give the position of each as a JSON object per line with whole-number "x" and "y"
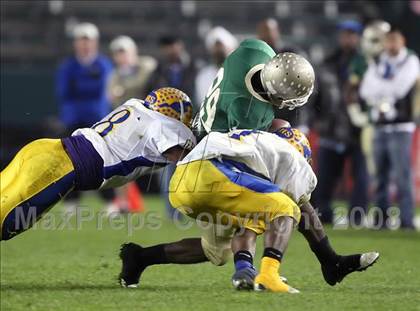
{"x": 290, "y": 104}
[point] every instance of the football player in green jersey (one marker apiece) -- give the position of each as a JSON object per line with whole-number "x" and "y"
{"x": 252, "y": 81}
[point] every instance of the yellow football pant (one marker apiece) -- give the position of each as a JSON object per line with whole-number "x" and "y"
{"x": 37, "y": 178}
{"x": 201, "y": 190}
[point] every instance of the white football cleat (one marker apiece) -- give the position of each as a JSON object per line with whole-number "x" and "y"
{"x": 368, "y": 259}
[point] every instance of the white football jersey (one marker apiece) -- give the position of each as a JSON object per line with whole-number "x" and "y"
{"x": 132, "y": 139}
{"x": 265, "y": 153}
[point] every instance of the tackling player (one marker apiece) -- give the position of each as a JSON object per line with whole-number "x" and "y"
{"x": 251, "y": 180}
{"x": 126, "y": 144}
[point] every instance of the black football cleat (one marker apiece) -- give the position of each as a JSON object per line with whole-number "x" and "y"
{"x": 244, "y": 278}
{"x": 345, "y": 265}
{"x": 132, "y": 268}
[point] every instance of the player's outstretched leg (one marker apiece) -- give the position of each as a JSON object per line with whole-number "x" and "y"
{"x": 334, "y": 267}
{"x": 135, "y": 259}
{"x": 39, "y": 176}
{"x": 276, "y": 239}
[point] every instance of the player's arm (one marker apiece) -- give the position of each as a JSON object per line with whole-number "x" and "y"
{"x": 277, "y": 124}
{"x": 175, "y": 154}
{"x": 175, "y": 142}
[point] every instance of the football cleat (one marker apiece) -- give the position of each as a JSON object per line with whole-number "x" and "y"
{"x": 272, "y": 283}
{"x": 244, "y": 278}
{"x": 345, "y": 265}
{"x": 367, "y": 259}
{"x": 131, "y": 266}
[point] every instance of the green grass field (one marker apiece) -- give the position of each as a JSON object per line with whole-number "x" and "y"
{"x": 76, "y": 270}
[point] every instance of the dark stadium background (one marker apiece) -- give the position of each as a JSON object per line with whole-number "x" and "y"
{"x": 35, "y": 37}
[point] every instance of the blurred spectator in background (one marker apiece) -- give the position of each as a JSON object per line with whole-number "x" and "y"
{"x": 409, "y": 22}
{"x": 82, "y": 81}
{"x": 269, "y": 31}
{"x": 388, "y": 89}
{"x": 81, "y": 88}
{"x": 219, "y": 44}
{"x": 175, "y": 69}
{"x": 132, "y": 73}
{"x": 372, "y": 45}
{"x": 339, "y": 138}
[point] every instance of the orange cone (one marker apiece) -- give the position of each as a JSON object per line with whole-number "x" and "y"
{"x": 134, "y": 198}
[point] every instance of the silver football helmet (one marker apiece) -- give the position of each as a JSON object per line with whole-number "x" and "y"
{"x": 288, "y": 79}
{"x": 373, "y": 37}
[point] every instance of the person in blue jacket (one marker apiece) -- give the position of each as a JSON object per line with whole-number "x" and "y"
{"x": 81, "y": 83}
{"x": 81, "y": 88}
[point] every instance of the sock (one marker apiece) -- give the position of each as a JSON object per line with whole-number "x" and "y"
{"x": 270, "y": 263}
{"x": 324, "y": 252}
{"x": 273, "y": 253}
{"x": 350, "y": 262}
{"x": 153, "y": 255}
{"x": 242, "y": 260}
{"x": 269, "y": 266}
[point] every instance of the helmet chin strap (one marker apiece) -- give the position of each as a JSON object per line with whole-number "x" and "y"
{"x": 182, "y": 110}
{"x": 290, "y": 104}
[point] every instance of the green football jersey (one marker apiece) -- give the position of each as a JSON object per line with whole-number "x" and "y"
{"x": 231, "y": 102}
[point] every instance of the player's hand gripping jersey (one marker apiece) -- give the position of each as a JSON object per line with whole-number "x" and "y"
{"x": 231, "y": 102}
{"x": 264, "y": 153}
{"x": 132, "y": 139}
